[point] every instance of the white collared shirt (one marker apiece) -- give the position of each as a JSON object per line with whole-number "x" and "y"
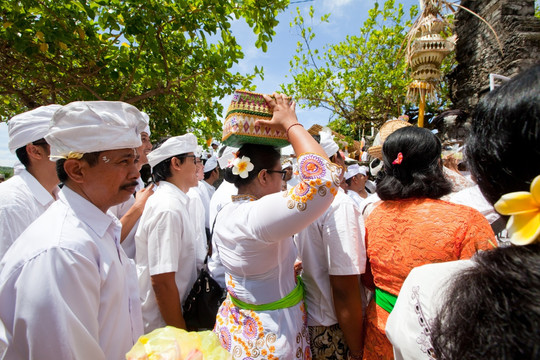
{"x": 67, "y": 288}
{"x": 166, "y": 242}
{"x": 22, "y": 200}
{"x": 409, "y": 325}
{"x": 331, "y": 245}
{"x": 356, "y": 197}
{"x": 206, "y": 191}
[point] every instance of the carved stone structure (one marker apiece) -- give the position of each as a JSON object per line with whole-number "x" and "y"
{"x": 477, "y": 51}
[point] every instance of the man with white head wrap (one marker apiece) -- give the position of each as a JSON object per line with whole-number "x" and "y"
{"x": 25, "y": 196}
{"x": 168, "y": 248}
{"x": 333, "y": 256}
{"x": 129, "y": 212}
{"x": 356, "y": 177}
{"x": 67, "y": 288}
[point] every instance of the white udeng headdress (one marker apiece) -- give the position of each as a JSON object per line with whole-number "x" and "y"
{"x": 327, "y": 142}
{"x": 88, "y": 126}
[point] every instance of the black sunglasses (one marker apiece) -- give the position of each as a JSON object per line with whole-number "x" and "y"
{"x": 282, "y": 172}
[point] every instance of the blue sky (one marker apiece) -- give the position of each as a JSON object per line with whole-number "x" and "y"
{"x": 346, "y": 19}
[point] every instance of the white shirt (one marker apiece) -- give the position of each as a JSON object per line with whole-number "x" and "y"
{"x": 221, "y": 197}
{"x": 409, "y": 325}
{"x": 331, "y": 245}
{"x": 120, "y": 210}
{"x": 472, "y": 196}
{"x": 207, "y": 191}
{"x": 22, "y": 200}
{"x": 166, "y": 242}
{"x": 356, "y": 197}
{"x": 196, "y": 212}
{"x": 67, "y": 289}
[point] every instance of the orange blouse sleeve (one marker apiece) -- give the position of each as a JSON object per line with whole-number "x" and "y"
{"x": 478, "y": 236}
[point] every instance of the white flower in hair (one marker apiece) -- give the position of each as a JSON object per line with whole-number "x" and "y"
{"x": 242, "y": 166}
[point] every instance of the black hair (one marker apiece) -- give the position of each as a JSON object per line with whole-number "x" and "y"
{"x": 209, "y": 173}
{"x": 492, "y": 310}
{"x": 504, "y": 144}
{"x": 420, "y": 174}
{"x": 261, "y": 156}
{"x": 336, "y": 156}
{"x": 22, "y": 154}
{"x": 162, "y": 171}
{"x": 91, "y": 158}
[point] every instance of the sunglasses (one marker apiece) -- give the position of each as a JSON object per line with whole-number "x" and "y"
{"x": 282, "y": 172}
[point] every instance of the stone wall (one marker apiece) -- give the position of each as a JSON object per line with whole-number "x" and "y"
{"x": 478, "y": 53}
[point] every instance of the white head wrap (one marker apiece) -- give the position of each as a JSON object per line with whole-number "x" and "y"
{"x": 177, "y": 145}
{"x": 327, "y": 142}
{"x": 89, "y": 126}
{"x": 210, "y": 164}
{"x": 227, "y": 156}
{"x": 375, "y": 169}
{"x": 30, "y": 126}
{"x": 287, "y": 163}
{"x": 147, "y": 120}
{"x": 355, "y": 169}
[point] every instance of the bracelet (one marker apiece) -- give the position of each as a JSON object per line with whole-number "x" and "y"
{"x": 289, "y": 128}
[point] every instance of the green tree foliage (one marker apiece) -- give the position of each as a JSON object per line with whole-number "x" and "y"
{"x": 170, "y": 58}
{"x": 362, "y": 79}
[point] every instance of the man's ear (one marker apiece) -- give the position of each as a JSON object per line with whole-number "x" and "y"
{"x": 176, "y": 164}
{"x": 36, "y": 152}
{"x": 75, "y": 169}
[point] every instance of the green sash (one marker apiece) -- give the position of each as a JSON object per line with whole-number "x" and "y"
{"x": 293, "y": 298}
{"x": 384, "y": 299}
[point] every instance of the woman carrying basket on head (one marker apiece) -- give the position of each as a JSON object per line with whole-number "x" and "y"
{"x": 264, "y": 314}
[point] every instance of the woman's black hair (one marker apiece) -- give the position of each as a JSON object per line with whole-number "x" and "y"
{"x": 419, "y": 175}
{"x": 492, "y": 309}
{"x": 503, "y": 149}
{"x": 261, "y": 156}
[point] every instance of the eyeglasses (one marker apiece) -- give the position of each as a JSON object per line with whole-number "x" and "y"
{"x": 282, "y": 172}
{"x": 191, "y": 156}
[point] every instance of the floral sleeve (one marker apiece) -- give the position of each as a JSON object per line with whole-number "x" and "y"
{"x": 278, "y": 216}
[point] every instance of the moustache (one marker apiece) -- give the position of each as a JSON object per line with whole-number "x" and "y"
{"x": 125, "y": 186}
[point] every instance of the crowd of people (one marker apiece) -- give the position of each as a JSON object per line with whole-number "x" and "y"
{"x": 320, "y": 259}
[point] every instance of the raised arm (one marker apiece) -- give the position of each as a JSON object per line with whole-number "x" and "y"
{"x": 285, "y": 120}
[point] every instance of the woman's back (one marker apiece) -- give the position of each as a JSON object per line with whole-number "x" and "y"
{"x": 403, "y": 234}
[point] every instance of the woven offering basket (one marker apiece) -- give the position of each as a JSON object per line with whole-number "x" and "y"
{"x": 247, "y": 107}
{"x": 386, "y": 129}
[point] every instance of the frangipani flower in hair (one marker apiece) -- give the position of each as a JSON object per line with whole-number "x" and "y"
{"x": 524, "y": 208}
{"x": 242, "y": 166}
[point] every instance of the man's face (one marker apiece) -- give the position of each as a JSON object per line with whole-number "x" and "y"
{"x": 144, "y": 149}
{"x": 188, "y": 171}
{"x": 113, "y": 179}
{"x": 289, "y": 174}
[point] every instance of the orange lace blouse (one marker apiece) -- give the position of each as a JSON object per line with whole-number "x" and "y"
{"x": 404, "y": 234}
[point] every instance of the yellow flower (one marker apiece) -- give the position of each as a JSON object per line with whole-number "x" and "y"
{"x": 524, "y": 208}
